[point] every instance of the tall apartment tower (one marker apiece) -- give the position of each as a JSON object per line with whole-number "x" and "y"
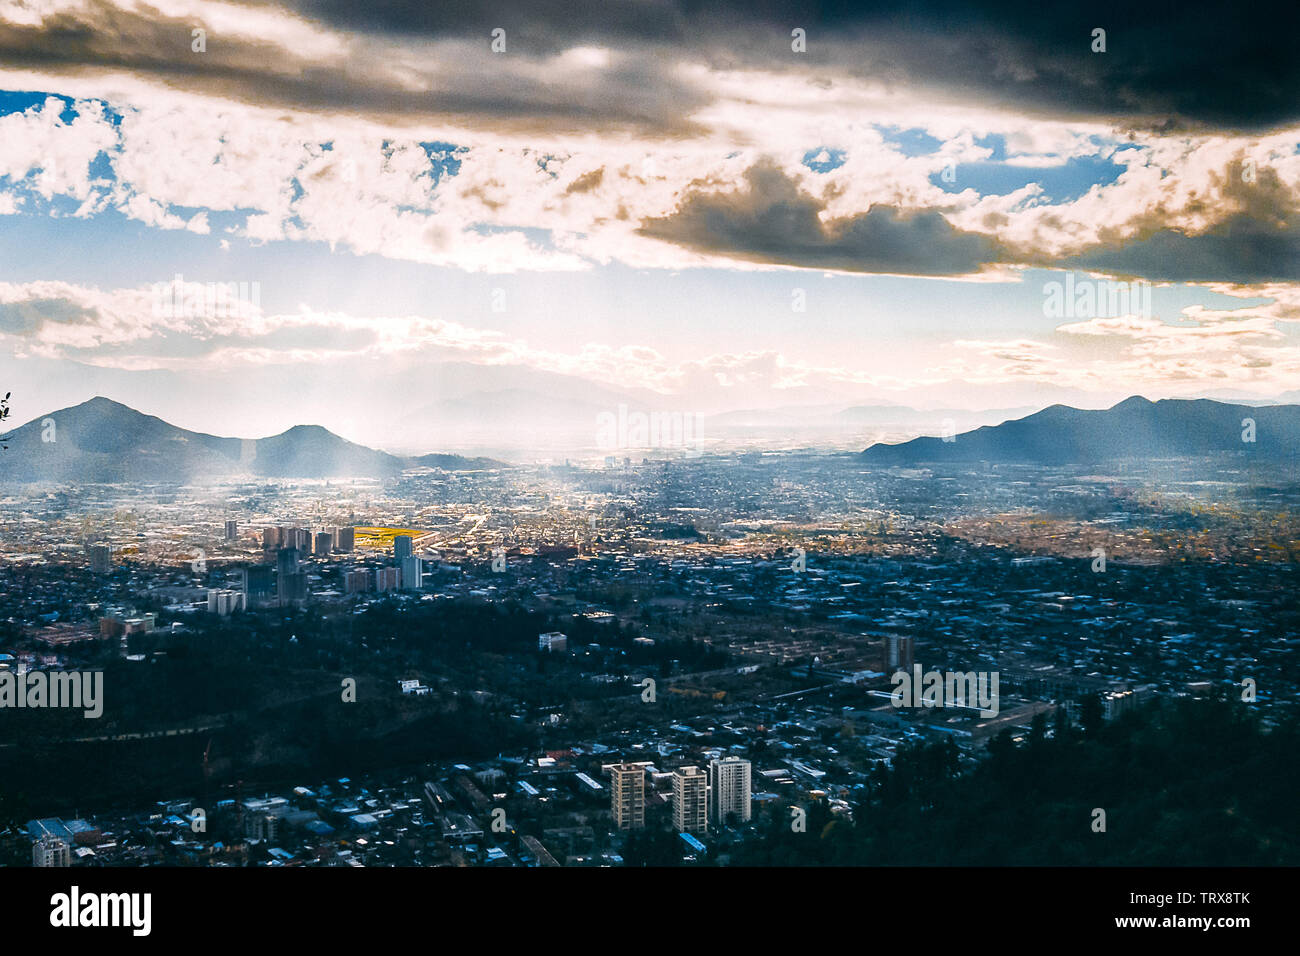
{"x": 412, "y": 573}
{"x": 403, "y": 547}
{"x": 690, "y": 800}
{"x": 347, "y": 539}
{"x": 256, "y": 583}
{"x": 324, "y": 543}
{"x": 51, "y": 851}
{"x": 290, "y": 583}
{"x": 627, "y": 796}
{"x": 286, "y": 561}
{"x": 296, "y": 538}
{"x": 101, "y": 558}
{"x": 232, "y": 530}
{"x": 730, "y": 789}
{"x": 898, "y": 653}
{"x": 224, "y": 602}
{"x": 291, "y": 587}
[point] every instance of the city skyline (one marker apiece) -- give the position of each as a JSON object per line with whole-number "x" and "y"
{"x": 648, "y": 434}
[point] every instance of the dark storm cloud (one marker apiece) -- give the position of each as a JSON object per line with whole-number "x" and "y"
{"x": 1239, "y": 249}
{"x": 546, "y": 25}
{"x": 1167, "y": 66}
{"x": 633, "y": 93}
{"x": 772, "y": 221}
{"x": 1257, "y": 239}
{"x": 1166, "y": 63}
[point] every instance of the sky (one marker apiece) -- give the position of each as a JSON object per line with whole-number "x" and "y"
{"x": 698, "y": 206}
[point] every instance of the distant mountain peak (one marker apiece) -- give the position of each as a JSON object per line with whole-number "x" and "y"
{"x": 101, "y": 440}
{"x": 100, "y": 403}
{"x": 1134, "y": 428}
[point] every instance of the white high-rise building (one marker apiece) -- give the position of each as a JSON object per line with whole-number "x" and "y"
{"x": 899, "y": 651}
{"x": 690, "y": 800}
{"x": 729, "y": 789}
{"x": 412, "y": 572}
{"x": 552, "y": 641}
{"x": 627, "y": 795}
{"x": 224, "y": 602}
{"x": 51, "y": 851}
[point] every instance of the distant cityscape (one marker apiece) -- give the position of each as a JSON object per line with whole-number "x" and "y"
{"x": 696, "y": 647}
{"x": 648, "y": 434}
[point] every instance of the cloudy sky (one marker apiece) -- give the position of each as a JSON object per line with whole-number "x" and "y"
{"x": 708, "y": 206}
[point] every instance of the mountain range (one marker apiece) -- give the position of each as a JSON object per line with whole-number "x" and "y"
{"x": 1135, "y": 428}
{"x": 105, "y": 441}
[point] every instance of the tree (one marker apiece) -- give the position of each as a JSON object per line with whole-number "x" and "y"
{"x": 1038, "y": 730}
{"x": 1061, "y": 723}
{"x": 13, "y": 809}
{"x": 1090, "y": 714}
{"x": 1001, "y": 747}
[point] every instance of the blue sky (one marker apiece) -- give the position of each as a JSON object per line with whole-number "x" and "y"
{"x": 715, "y": 236}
